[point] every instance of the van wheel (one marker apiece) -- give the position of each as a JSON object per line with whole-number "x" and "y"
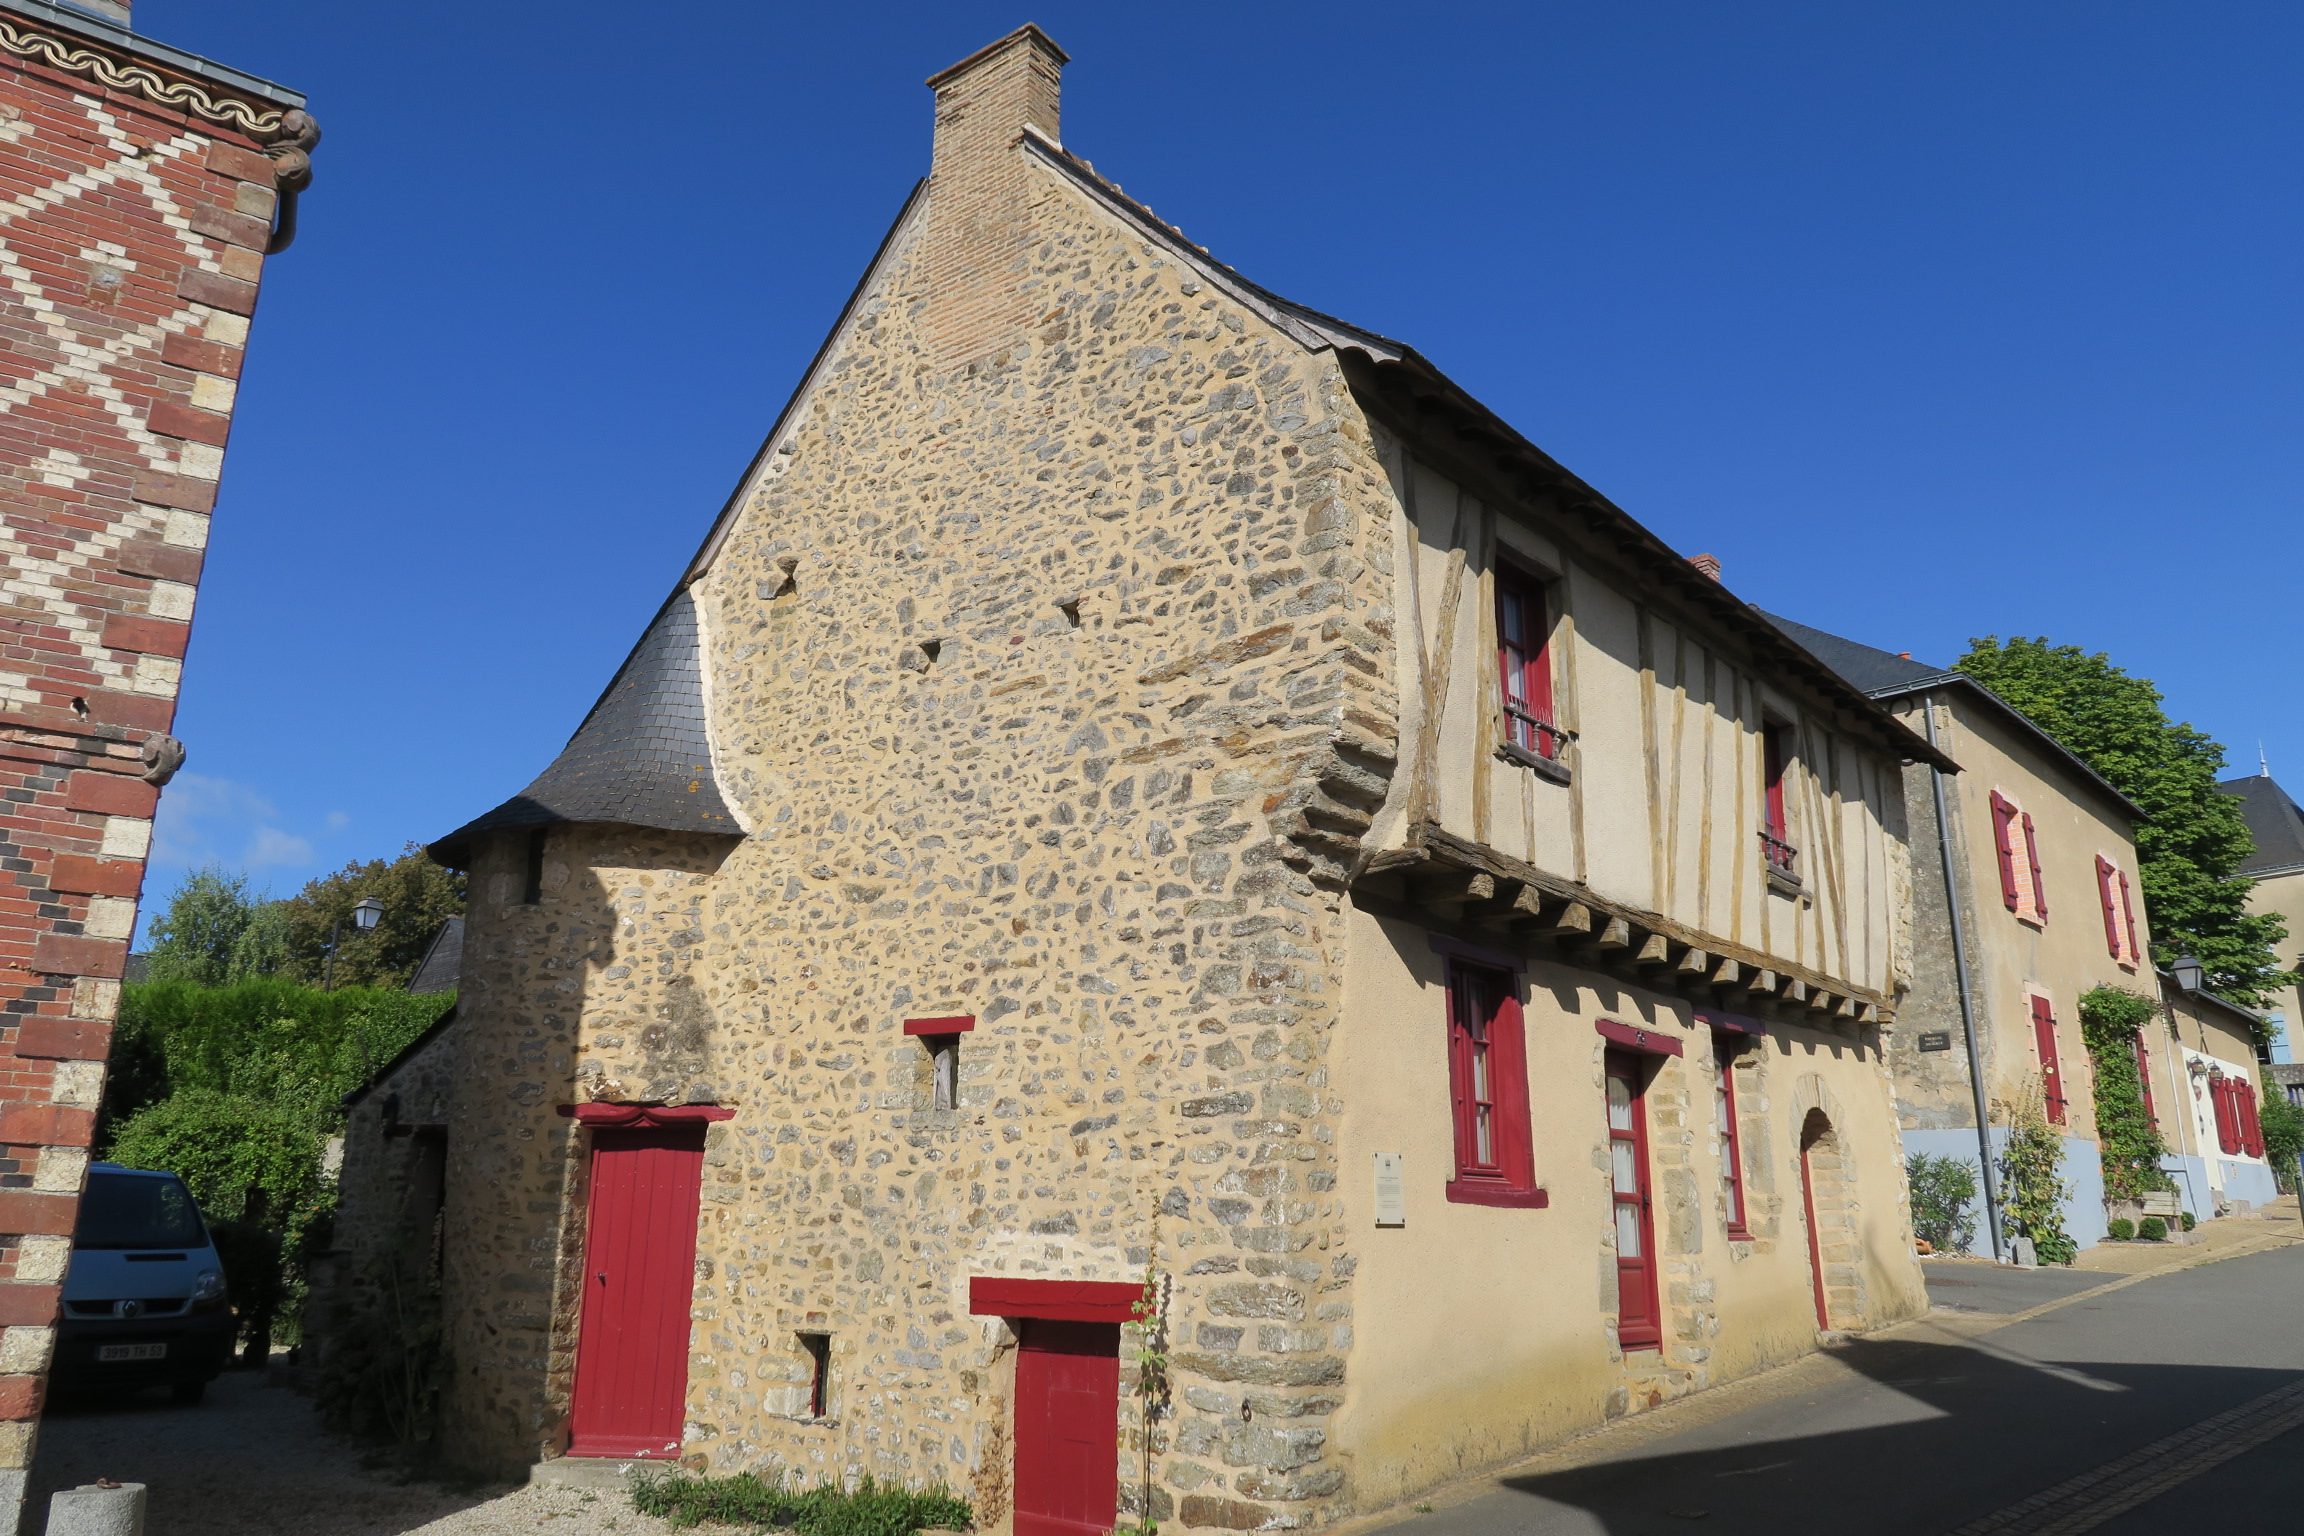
{"x": 188, "y": 1392}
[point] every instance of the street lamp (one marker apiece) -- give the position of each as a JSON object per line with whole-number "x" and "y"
{"x": 2187, "y": 971}
{"x": 367, "y": 912}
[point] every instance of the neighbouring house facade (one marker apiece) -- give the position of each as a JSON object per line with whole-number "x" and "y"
{"x": 2209, "y": 1075}
{"x": 2026, "y": 897}
{"x": 2276, "y": 827}
{"x": 1143, "y": 775}
{"x": 141, "y": 188}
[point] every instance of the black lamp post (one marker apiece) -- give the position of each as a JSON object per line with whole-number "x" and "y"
{"x": 367, "y": 912}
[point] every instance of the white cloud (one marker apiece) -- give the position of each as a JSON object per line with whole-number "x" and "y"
{"x": 207, "y": 820}
{"x": 339, "y": 820}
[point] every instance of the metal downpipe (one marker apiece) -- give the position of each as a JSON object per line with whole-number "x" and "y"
{"x": 1967, "y": 993}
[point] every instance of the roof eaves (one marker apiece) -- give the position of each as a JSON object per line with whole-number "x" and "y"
{"x": 406, "y": 1053}
{"x": 2088, "y": 776}
{"x": 112, "y": 34}
{"x": 2173, "y": 989}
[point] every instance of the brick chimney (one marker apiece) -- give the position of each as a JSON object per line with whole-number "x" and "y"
{"x": 1708, "y": 564}
{"x": 981, "y": 193}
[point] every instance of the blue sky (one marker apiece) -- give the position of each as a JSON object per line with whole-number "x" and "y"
{"x": 1929, "y": 320}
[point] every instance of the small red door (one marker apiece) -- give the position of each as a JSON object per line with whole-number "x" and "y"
{"x": 1639, "y": 1320}
{"x": 639, "y": 1272}
{"x": 1067, "y": 1424}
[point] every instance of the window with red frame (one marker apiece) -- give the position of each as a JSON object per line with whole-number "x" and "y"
{"x": 1724, "y": 1049}
{"x": 2220, "y": 1100}
{"x": 2144, "y": 1077}
{"x": 1524, "y": 664}
{"x": 1775, "y": 768}
{"x": 2051, "y": 1076}
{"x": 1488, "y": 1089}
{"x": 2017, "y": 844}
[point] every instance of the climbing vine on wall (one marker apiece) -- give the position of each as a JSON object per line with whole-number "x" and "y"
{"x": 2131, "y": 1145}
{"x": 2032, "y": 1196}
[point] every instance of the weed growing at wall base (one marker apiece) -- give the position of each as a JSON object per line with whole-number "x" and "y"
{"x": 765, "y": 1501}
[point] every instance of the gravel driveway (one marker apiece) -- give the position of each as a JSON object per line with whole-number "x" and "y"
{"x": 253, "y": 1461}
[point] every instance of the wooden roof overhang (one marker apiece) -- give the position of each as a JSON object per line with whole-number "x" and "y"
{"x": 1440, "y": 879}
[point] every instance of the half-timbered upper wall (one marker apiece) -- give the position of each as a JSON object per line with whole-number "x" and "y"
{"x": 1657, "y": 798}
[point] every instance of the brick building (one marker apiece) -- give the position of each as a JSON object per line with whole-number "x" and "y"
{"x": 1143, "y": 773}
{"x": 141, "y": 188}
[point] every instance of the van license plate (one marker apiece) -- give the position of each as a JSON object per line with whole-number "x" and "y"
{"x": 131, "y": 1351}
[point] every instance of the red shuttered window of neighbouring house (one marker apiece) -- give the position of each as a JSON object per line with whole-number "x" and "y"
{"x": 2144, "y": 1077}
{"x": 2032, "y": 866}
{"x": 2051, "y": 1075}
{"x": 2227, "y": 1118}
{"x": 2104, "y": 873}
{"x": 2251, "y": 1128}
{"x": 1775, "y": 766}
{"x": 2004, "y": 844}
{"x": 2135, "y": 954}
{"x": 1524, "y": 664}
{"x": 1730, "y": 1134}
{"x": 1488, "y": 1089}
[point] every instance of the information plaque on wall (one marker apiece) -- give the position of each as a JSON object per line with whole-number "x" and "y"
{"x": 1391, "y": 1191}
{"x": 1935, "y": 1040}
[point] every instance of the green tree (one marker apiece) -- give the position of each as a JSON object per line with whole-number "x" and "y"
{"x": 2193, "y": 838}
{"x": 202, "y": 934}
{"x": 2283, "y": 1126}
{"x": 418, "y": 896}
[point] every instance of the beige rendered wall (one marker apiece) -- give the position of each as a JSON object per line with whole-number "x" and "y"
{"x": 1662, "y": 807}
{"x": 2009, "y": 957}
{"x": 1489, "y": 1331}
{"x": 2282, "y": 893}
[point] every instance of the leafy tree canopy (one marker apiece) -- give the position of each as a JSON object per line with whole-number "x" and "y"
{"x": 2193, "y": 838}
{"x": 212, "y": 931}
{"x": 418, "y": 896}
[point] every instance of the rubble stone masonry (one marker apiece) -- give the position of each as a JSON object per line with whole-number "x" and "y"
{"x": 139, "y": 189}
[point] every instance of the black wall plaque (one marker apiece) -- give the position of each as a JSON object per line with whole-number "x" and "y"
{"x": 1935, "y": 1040}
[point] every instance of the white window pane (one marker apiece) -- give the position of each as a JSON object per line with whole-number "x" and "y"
{"x": 1619, "y": 1104}
{"x": 1483, "y": 1137}
{"x": 1628, "y": 1232}
{"x": 1627, "y": 1173}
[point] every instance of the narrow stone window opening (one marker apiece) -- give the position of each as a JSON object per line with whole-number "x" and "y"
{"x": 1070, "y": 608}
{"x": 932, "y": 649}
{"x": 532, "y": 882}
{"x": 790, "y": 566}
{"x": 819, "y": 1350}
{"x": 943, "y": 1071}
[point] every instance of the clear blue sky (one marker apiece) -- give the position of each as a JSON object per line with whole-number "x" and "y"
{"x": 1932, "y": 320}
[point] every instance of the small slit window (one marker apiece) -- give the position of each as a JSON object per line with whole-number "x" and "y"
{"x": 817, "y": 1347}
{"x": 1724, "y": 1049}
{"x": 532, "y": 878}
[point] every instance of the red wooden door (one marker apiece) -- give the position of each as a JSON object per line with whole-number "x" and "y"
{"x": 2051, "y": 1073}
{"x": 1815, "y": 1243}
{"x": 639, "y": 1271}
{"x": 1639, "y": 1320}
{"x": 1067, "y": 1423}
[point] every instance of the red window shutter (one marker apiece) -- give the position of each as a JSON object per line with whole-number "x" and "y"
{"x": 2002, "y": 814}
{"x": 2032, "y": 860}
{"x": 2128, "y": 912}
{"x": 2227, "y": 1119}
{"x": 1524, "y": 664}
{"x": 2051, "y": 1077}
{"x": 2111, "y": 915}
{"x": 2144, "y": 1077}
{"x": 2252, "y": 1138}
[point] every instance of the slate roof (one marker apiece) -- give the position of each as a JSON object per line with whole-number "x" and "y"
{"x": 443, "y": 961}
{"x": 640, "y": 759}
{"x": 1886, "y": 675}
{"x": 2273, "y": 821}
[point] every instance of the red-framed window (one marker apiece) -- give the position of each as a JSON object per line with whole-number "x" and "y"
{"x": 2224, "y": 1103}
{"x": 1488, "y": 1089}
{"x": 1524, "y": 663}
{"x": 2051, "y": 1074}
{"x": 1775, "y": 766}
{"x": 2016, "y": 843}
{"x": 1725, "y": 1126}
{"x": 2144, "y": 1077}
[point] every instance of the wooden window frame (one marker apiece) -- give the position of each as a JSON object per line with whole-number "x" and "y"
{"x": 1531, "y": 730}
{"x": 1726, "y": 1046}
{"x": 1782, "y": 860}
{"x": 1487, "y": 1030}
{"x": 2044, "y": 1044}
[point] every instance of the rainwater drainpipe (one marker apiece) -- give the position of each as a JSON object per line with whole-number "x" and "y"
{"x": 1967, "y": 992}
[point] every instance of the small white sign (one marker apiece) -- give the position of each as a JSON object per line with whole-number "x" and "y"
{"x": 1391, "y": 1191}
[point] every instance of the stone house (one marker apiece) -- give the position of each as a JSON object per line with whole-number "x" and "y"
{"x": 2276, "y": 865}
{"x": 141, "y": 190}
{"x": 1143, "y": 775}
{"x": 2026, "y": 897}
{"x": 2211, "y": 1079}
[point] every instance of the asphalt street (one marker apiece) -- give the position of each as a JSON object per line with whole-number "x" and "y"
{"x": 2168, "y": 1405}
